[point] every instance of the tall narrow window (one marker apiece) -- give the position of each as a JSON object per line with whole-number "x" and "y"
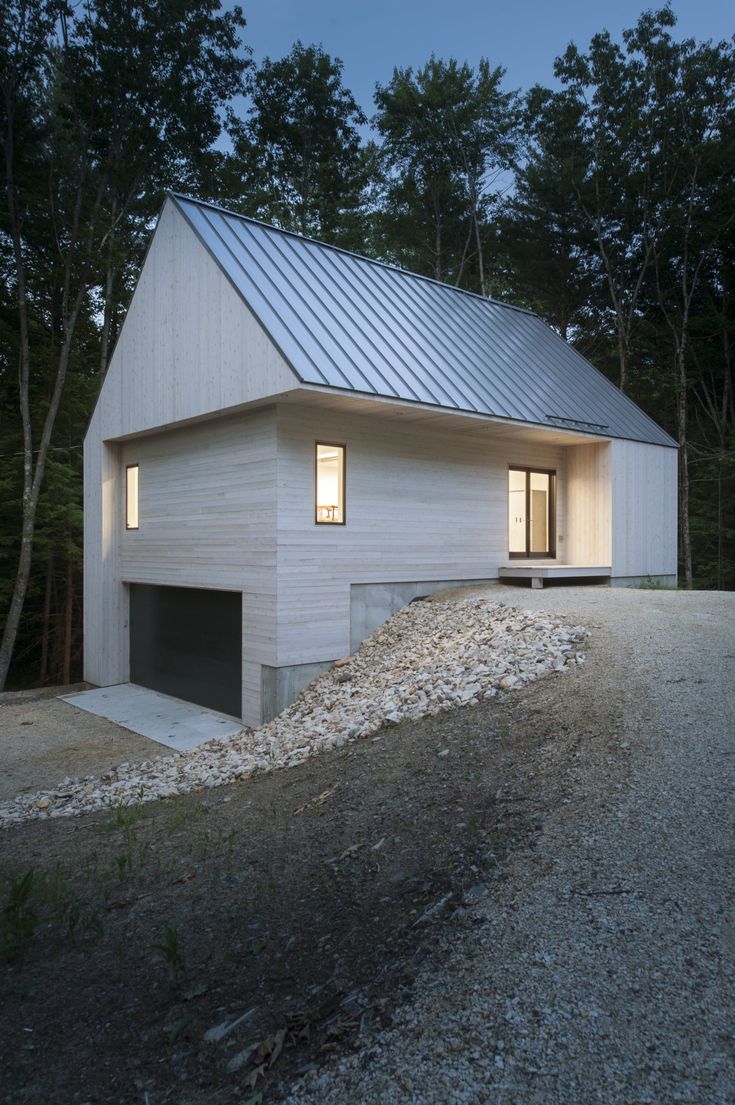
{"x": 131, "y": 496}
{"x": 531, "y": 512}
{"x": 330, "y": 484}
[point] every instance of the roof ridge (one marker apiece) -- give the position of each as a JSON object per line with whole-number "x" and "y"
{"x": 349, "y": 252}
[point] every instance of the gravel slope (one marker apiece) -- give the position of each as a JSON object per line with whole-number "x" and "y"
{"x": 600, "y": 969}
{"x": 426, "y": 659}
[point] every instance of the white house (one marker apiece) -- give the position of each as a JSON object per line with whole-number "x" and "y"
{"x": 292, "y": 441}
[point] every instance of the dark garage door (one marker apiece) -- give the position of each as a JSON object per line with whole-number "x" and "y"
{"x": 188, "y": 643}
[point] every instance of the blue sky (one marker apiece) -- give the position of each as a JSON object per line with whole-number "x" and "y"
{"x": 524, "y": 36}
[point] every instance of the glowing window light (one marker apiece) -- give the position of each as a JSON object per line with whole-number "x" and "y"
{"x": 330, "y": 484}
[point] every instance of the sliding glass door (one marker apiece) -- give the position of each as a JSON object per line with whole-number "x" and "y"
{"x": 531, "y": 512}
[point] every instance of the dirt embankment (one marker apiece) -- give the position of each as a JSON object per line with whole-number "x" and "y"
{"x": 305, "y": 900}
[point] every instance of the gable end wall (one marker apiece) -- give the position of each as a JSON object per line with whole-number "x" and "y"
{"x": 188, "y": 347}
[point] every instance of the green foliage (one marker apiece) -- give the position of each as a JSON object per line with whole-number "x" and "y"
{"x": 103, "y": 106}
{"x": 299, "y": 160}
{"x": 19, "y": 918}
{"x": 37, "y": 903}
{"x": 449, "y": 133}
{"x": 541, "y": 239}
{"x": 170, "y": 951}
{"x": 605, "y": 204}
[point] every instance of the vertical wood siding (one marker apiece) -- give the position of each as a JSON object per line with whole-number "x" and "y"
{"x": 589, "y": 505}
{"x": 644, "y": 509}
{"x": 105, "y": 598}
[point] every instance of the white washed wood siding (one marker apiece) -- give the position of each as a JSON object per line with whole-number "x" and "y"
{"x": 105, "y": 598}
{"x": 189, "y": 348}
{"x": 589, "y": 505}
{"x": 420, "y": 506}
{"x": 644, "y": 509}
{"x": 207, "y": 505}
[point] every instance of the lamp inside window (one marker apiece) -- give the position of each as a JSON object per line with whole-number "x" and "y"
{"x": 131, "y": 496}
{"x": 330, "y": 484}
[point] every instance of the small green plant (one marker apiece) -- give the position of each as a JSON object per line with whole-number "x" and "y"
{"x": 651, "y": 584}
{"x": 135, "y": 851}
{"x": 124, "y": 817}
{"x": 124, "y": 864}
{"x": 169, "y": 950}
{"x": 19, "y": 918}
{"x": 77, "y": 918}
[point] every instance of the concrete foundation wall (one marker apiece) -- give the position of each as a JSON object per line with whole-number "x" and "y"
{"x": 371, "y": 604}
{"x": 281, "y": 686}
{"x": 644, "y": 581}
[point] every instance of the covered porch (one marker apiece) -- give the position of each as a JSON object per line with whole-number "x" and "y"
{"x": 559, "y": 521}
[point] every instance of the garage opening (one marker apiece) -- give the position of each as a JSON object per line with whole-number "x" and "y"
{"x": 187, "y": 642}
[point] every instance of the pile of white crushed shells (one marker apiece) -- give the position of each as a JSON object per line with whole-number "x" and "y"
{"x": 429, "y": 657}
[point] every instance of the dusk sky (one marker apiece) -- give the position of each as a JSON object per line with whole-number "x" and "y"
{"x": 523, "y": 36}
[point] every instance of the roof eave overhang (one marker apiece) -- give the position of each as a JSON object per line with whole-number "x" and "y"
{"x": 573, "y": 434}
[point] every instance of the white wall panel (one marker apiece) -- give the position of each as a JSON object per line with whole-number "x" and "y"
{"x": 207, "y": 505}
{"x": 644, "y": 510}
{"x": 589, "y": 505}
{"x": 420, "y": 506}
{"x": 189, "y": 346}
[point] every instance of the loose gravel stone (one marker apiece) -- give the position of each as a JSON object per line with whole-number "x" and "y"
{"x": 429, "y": 657}
{"x": 599, "y": 969}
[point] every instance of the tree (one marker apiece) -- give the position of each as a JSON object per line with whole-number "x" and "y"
{"x": 651, "y": 176}
{"x": 620, "y": 95}
{"x": 298, "y": 158}
{"x": 99, "y": 107}
{"x": 449, "y": 135}
{"x": 698, "y": 212}
{"x": 547, "y": 247}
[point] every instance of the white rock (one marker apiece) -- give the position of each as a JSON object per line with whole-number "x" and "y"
{"x": 428, "y": 658}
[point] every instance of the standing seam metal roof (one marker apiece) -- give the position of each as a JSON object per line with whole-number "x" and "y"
{"x": 353, "y": 324}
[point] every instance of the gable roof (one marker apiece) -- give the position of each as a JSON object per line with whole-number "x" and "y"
{"x": 357, "y": 325}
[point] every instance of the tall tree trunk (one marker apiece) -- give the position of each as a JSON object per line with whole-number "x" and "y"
{"x": 720, "y": 460}
{"x": 33, "y": 480}
{"x": 480, "y": 259}
{"x": 43, "y": 668}
{"x": 623, "y": 354}
{"x": 460, "y": 271}
{"x": 684, "y": 482}
{"x": 68, "y": 612}
{"x": 106, "y": 323}
{"x": 438, "y": 271}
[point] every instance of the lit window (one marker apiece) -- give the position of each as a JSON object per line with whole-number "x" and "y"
{"x": 330, "y": 484}
{"x": 131, "y": 496}
{"x": 531, "y": 512}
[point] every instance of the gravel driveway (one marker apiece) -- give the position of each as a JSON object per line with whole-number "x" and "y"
{"x": 600, "y": 965}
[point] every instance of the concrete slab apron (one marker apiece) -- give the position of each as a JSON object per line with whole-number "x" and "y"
{"x": 171, "y": 722}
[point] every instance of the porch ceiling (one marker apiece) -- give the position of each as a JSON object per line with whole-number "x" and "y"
{"x": 419, "y": 414}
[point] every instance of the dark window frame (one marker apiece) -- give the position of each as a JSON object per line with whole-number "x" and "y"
{"x": 330, "y": 445}
{"x": 550, "y": 552}
{"x": 127, "y": 512}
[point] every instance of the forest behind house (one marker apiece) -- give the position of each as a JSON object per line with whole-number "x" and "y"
{"x": 605, "y": 203}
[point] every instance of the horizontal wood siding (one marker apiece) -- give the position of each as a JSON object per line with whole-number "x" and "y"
{"x": 589, "y": 505}
{"x": 644, "y": 509}
{"x": 207, "y": 507}
{"x": 420, "y": 506}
